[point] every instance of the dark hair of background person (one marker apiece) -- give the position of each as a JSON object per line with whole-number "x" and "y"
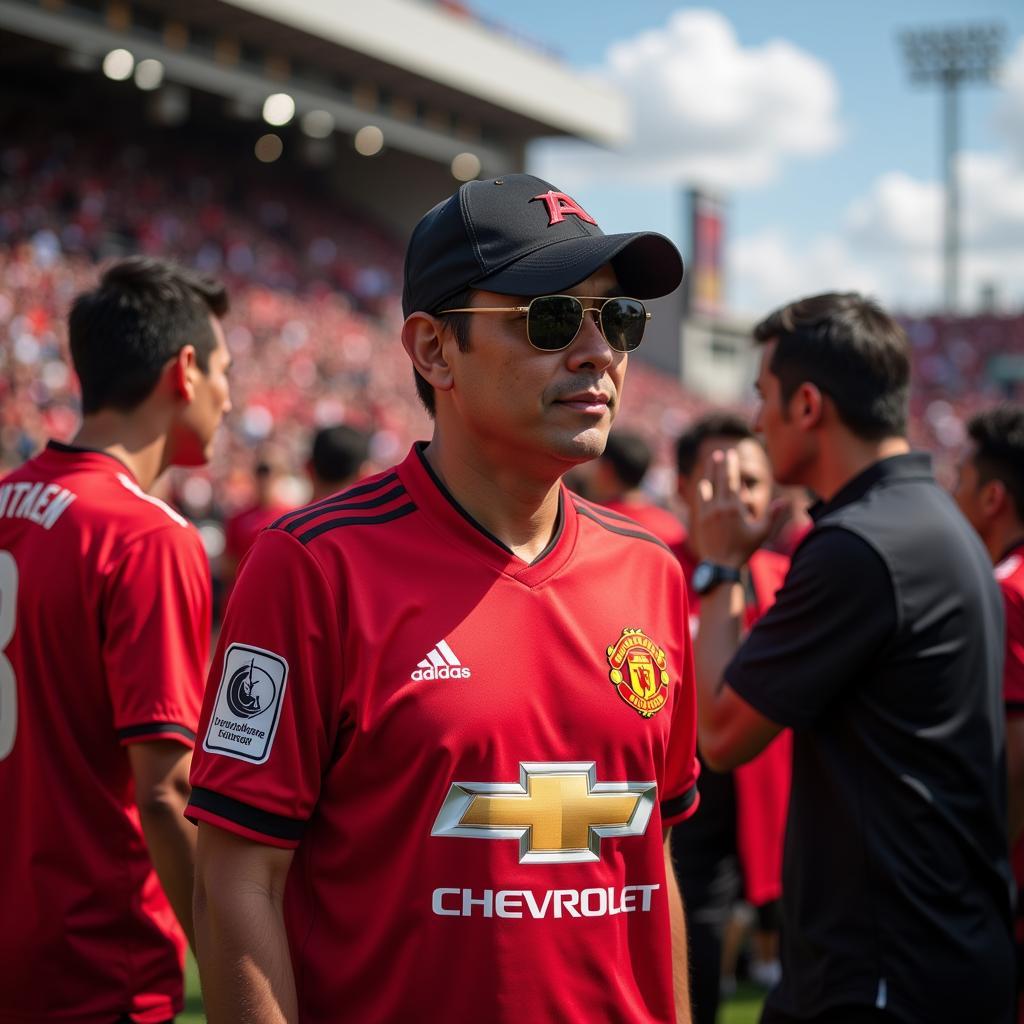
{"x": 998, "y": 436}
{"x": 338, "y": 452}
{"x": 852, "y": 350}
{"x": 458, "y": 323}
{"x": 142, "y": 313}
{"x": 715, "y": 424}
{"x": 629, "y": 455}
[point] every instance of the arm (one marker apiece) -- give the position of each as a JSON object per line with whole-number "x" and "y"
{"x": 1015, "y": 776}
{"x": 160, "y": 769}
{"x": 242, "y": 946}
{"x": 680, "y": 948}
{"x": 731, "y": 731}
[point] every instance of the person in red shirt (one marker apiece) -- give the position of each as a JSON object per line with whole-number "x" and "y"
{"x": 337, "y": 459}
{"x": 244, "y": 526}
{"x": 615, "y": 483}
{"x": 743, "y": 817}
{"x": 104, "y": 634}
{"x": 451, "y": 715}
{"x": 990, "y": 493}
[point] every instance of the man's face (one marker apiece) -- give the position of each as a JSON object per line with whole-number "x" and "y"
{"x": 786, "y": 445}
{"x": 967, "y": 491}
{"x": 510, "y": 397}
{"x": 192, "y": 439}
{"x": 755, "y": 473}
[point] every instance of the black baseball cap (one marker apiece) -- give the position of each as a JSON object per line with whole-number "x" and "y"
{"x": 519, "y": 235}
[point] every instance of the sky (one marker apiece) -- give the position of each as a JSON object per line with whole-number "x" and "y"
{"x": 801, "y": 113}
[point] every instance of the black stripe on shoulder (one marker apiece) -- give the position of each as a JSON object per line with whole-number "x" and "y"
{"x": 680, "y": 804}
{"x": 337, "y": 499}
{"x": 375, "y": 502}
{"x": 155, "y": 729}
{"x": 1015, "y": 706}
{"x": 276, "y": 825}
{"x": 331, "y": 524}
{"x": 602, "y": 511}
{"x": 622, "y": 532}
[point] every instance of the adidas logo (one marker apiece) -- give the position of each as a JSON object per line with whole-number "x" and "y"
{"x": 440, "y": 663}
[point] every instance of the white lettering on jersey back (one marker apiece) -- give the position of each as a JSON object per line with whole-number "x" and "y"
{"x": 440, "y": 662}
{"x": 130, "y": 485}
{"x": 557, "y": 903}
{"x": 38, "y": 502}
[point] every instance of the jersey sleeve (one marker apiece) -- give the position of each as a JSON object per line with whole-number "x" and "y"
{"x": 157, "y": 608}
{"x": 271, "y": 711}
{"x": 681, "y": 798}
{"x": 1013, "y": 673}
{"x": 835, "y": 609}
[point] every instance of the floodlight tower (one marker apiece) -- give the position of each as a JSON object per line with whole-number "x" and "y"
{"x": 952, "y": 56}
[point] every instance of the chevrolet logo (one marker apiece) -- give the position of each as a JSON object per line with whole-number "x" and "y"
{"x": 558, "y": 811}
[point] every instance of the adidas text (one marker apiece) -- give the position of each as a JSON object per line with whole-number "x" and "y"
{"x": 444, "y": 672}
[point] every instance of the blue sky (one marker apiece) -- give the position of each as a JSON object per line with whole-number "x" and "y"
{"x": 860, "y": 207}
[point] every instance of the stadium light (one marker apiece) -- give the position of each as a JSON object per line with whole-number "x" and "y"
{"x": 149, "y": 73}
{"x": 369, "y": 140}
{"x": 318, "y": 124}
{"x": 268, "y": 148}
{"x": 118, "y": 65}
{"x": 278, "y": 109}
{"x": 465, "y": 167}
{"x": 951, "y": 57}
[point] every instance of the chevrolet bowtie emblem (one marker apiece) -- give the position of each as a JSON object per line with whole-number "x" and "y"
{"x": 558, "y": 811}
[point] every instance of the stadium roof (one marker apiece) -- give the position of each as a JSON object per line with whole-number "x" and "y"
{"x": 439, "y": 44}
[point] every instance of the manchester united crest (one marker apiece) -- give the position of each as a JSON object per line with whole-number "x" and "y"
{"x": 638, "y": 671}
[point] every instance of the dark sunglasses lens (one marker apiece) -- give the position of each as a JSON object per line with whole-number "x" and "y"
{"x": 553, "y": 322}
{"x": 623, "y": 322}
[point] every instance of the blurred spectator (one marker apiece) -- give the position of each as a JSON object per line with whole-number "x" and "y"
{"x": 338, "y": 458}
{"x": 738, "y": 834}
{"x": 615, "y": 482}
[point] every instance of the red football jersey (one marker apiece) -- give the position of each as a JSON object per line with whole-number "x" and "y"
{"x": 242, "y": 529}
{"x": 1010, "y": 576}
{"x": 473, "y": 756}
{"x": 104, "y": 634}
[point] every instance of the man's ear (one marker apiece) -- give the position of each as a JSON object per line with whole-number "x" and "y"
{"x": 992, "y": 498}
{"x": 807, "y": 405}
{"x": 423, "y": 337}
{"x": 180, "y": 373}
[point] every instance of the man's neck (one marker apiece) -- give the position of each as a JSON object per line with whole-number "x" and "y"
{"x": 845, "y": 459}
{"x": 138, "y": 446}
{"x": 519, "y": 509}
{"x": 1003, "y": 537}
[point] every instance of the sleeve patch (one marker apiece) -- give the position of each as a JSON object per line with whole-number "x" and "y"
{"x": 248, "y": 706}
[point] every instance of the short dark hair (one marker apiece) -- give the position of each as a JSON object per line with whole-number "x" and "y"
{"x": 714, "y": 424}
{"x": 998, "y": 436}
{"x": 338, "y": 452}
{"x": 142, "y": 313}
{"x": 458, "y": 323}
{"x": 629, "y": 455}
{"x": 851, "y": 349}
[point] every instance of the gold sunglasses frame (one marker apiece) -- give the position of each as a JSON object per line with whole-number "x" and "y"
{"x": 603, "y": 299}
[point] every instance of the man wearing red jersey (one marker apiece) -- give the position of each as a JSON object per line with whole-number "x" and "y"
{"x": 743, "y": 812}
{"x": 452, "y": 710}
{"x": 104, "y": 630}
{"x": 990, "y": 493}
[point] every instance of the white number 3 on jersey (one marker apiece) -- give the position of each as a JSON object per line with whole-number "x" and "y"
{"x": 8, "y": 684}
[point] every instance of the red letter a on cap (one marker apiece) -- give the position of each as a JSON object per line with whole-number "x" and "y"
{"x": 561, "y": 206}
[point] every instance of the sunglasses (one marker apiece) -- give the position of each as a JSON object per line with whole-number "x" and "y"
{"x": 553, "y": 321}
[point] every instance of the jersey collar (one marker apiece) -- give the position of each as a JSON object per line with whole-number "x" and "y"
{"x": 458, "y": 526}
{"x": 95, "y": 456}
{"x": 910, "y": 466}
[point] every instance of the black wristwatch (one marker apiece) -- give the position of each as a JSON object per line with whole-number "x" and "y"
{"x": 708, "y": 575}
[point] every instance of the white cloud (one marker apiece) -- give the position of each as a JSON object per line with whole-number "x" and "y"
{"x": 1011, "y": 107}
{"x": 706, "y": 110}
{"x": 890, "y": 244}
